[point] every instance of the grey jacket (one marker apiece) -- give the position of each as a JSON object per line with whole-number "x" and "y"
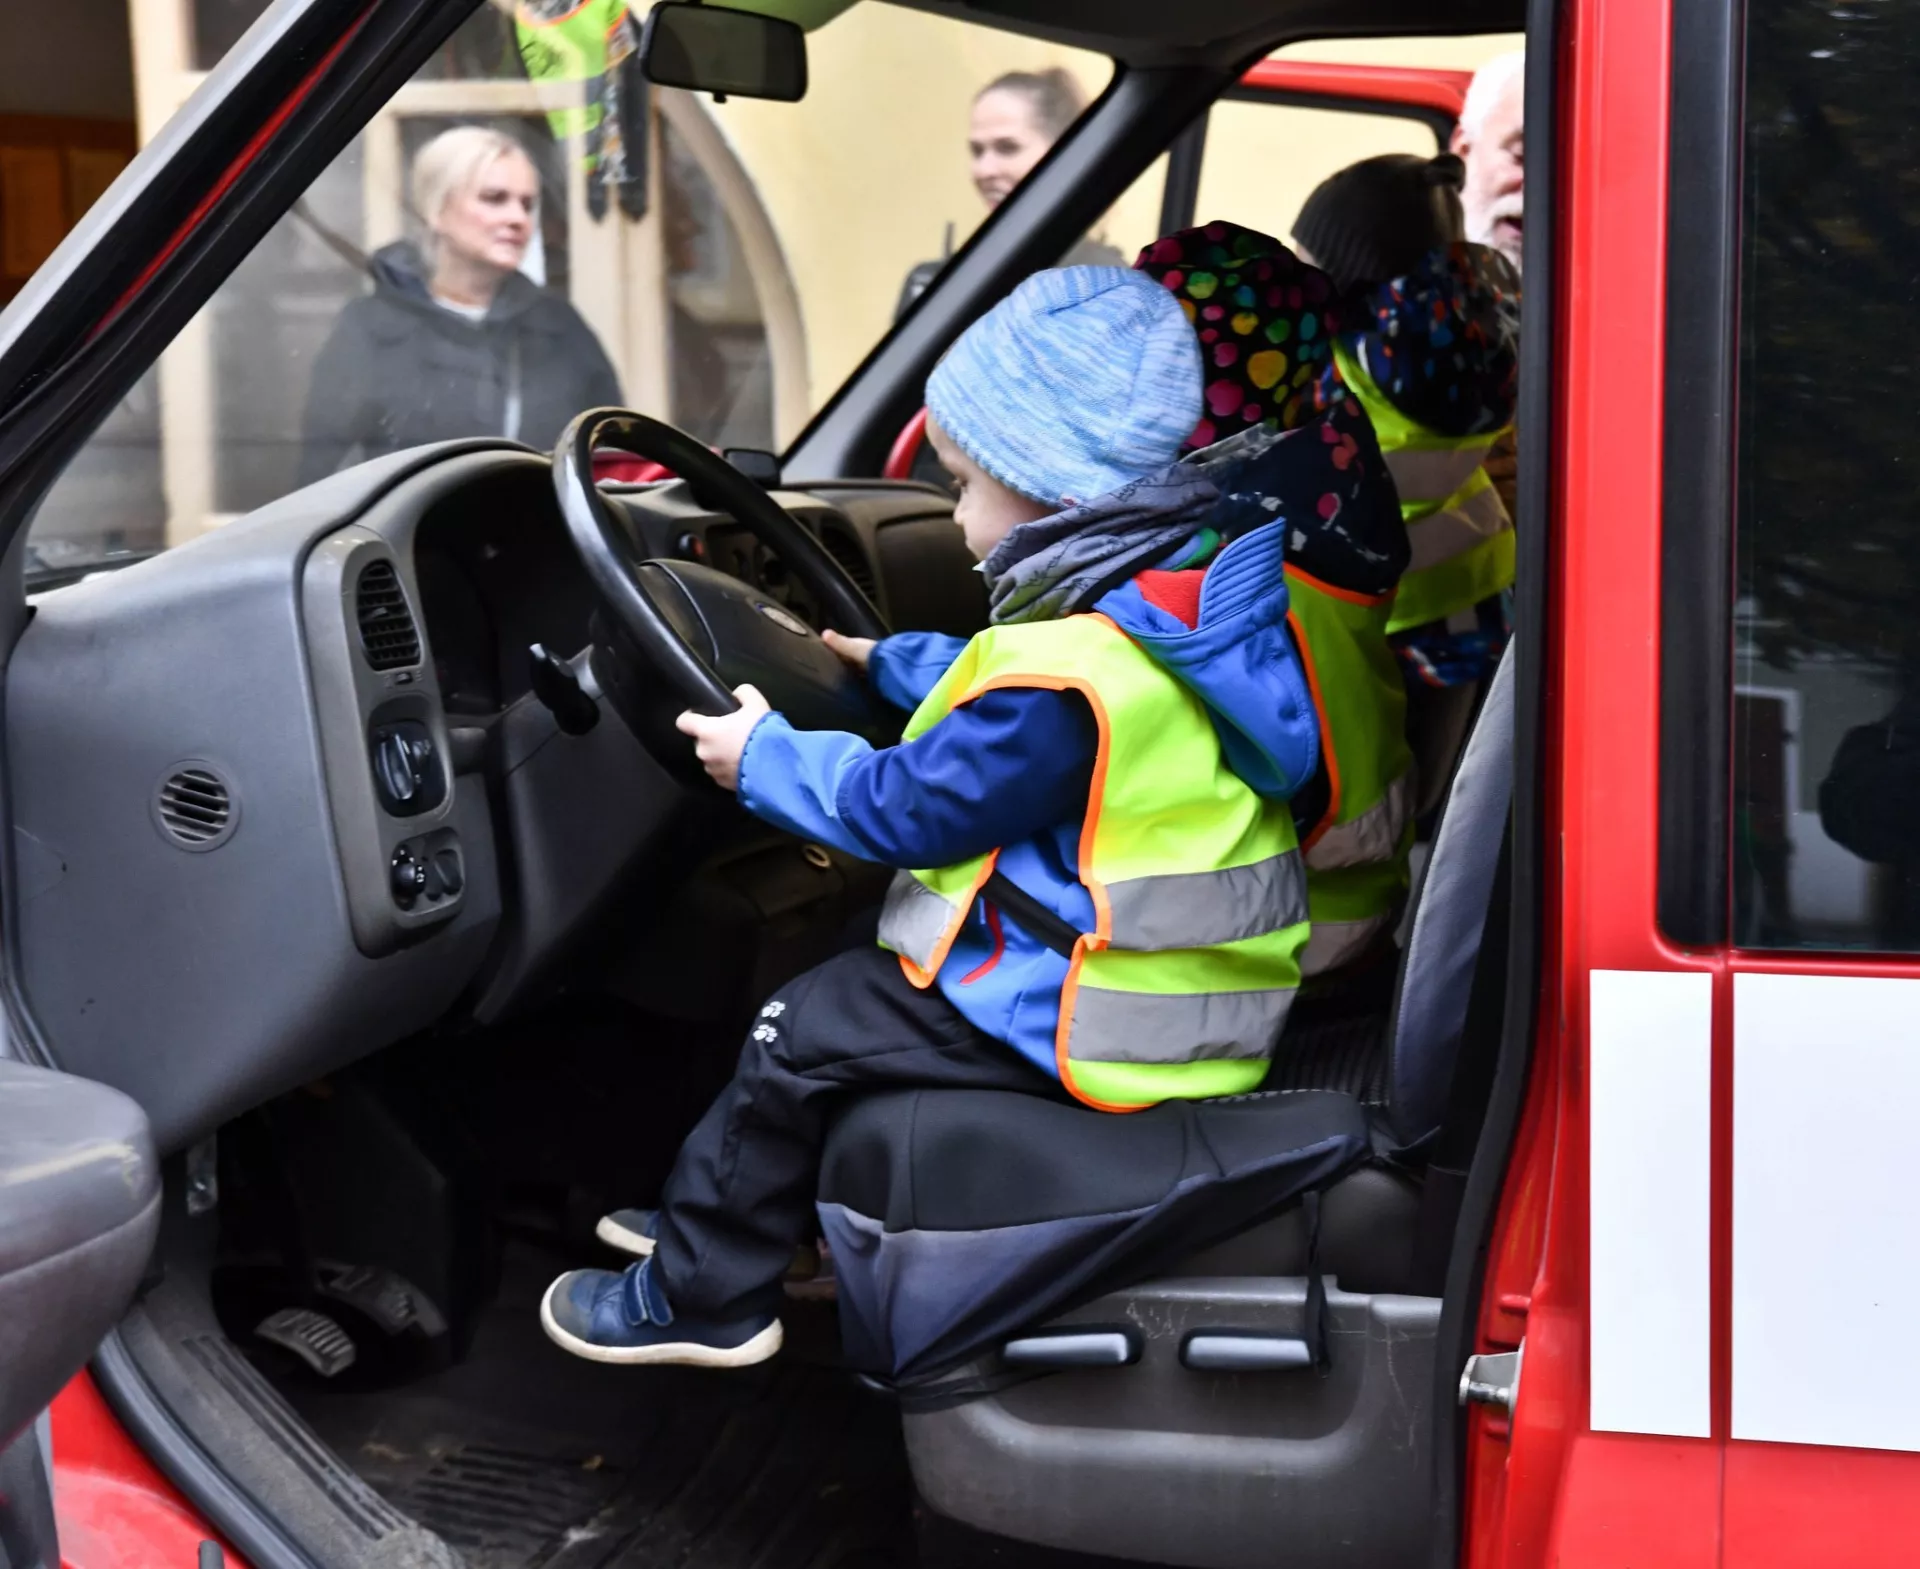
{"x": 398, "y": 370}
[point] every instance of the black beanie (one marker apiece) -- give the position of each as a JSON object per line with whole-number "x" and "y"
{"x": 1375, "y": 219}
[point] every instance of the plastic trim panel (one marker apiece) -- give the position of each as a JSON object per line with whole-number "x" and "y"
{"x": 1113, "y": 1460}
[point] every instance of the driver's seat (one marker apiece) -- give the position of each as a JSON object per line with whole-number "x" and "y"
{"x": 987, "y": 1225}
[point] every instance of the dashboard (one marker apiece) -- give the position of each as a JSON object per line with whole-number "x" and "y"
{"x": 495, "y": 579}
{"x": 310, "y": 804}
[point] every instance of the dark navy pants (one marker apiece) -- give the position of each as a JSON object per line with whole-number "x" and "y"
{"x": 740, "y": 1197}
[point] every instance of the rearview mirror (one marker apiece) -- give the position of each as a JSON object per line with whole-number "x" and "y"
{"x": 727, "y": 53}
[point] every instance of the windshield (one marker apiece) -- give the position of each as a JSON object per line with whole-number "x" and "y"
{"x": 527, "y": 229}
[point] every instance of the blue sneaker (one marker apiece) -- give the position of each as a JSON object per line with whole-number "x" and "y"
{"x": 629, "y": 1230}
{"x": 624, "y": 1318}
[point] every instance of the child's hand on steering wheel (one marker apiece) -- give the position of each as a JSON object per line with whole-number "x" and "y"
{"x": 853, "y": 651}
{"x": 720, "y": 739}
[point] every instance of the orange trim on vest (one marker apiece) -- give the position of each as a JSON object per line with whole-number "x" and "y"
{"x": 1332, "y": 814}
{"x": 1102, "y": 934}
{"x": 985, "y": 966}
{"x": 922, "y": 979}
{"x": 1351, "y": 596}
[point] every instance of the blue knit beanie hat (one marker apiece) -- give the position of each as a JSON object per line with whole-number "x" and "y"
{"x": 1080, "y": 380}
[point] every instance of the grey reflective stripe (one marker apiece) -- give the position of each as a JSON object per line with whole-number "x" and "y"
{"x": 1423, "y": 474}
{"x": 1444, "y": 535}
{"x": 1200, "y": 909}
{"x": 1334, "y": 943}
{"x": 1372, "y": 837}
{"x": 913, "y": 919}
{"x": 1149, "y": 1027}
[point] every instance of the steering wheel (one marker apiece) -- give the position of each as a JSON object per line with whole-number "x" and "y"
{"x": 676, "y": 635}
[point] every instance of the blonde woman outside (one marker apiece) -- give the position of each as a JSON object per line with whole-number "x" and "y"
{"x": 455, "y": 340}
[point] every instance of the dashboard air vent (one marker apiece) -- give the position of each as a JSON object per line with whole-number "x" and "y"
{"x": 852, "y": 560}
{"x": 194, "y": 807}
{"x": 387, "y": 633}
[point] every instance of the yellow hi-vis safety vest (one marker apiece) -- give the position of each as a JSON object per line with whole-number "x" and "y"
{"x": 1462, "y": 538}
{"x": 1356, "y": 854}
{"x": 1181, "y": 989}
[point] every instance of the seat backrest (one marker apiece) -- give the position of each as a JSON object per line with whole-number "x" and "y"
{"x": 1449, "y": 915}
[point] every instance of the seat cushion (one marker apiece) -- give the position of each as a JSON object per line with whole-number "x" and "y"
{"x": 957, "y": 1217}
{"x": 79, "y": 1209}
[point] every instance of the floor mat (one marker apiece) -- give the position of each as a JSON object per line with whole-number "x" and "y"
{"x": 526, "y": 1458}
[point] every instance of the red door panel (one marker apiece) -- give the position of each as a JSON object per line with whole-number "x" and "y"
{"x": 115, "y": 1511}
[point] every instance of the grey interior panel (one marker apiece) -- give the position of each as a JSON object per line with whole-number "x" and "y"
{"x": 204, "y": 980}
{"x": 1121, "y": 1460}
{"x": 253, "y": 828}
{"x": 1450, "y": 913}
{"x": 582, "y": 813}
{"x": 81, "y": 1207}
{"x": 398, "y": 807}
{"x": 28, "y": 1535}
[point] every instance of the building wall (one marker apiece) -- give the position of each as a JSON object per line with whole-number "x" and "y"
{"x": 69, "y": 58}
{"x": 863, "y": 177}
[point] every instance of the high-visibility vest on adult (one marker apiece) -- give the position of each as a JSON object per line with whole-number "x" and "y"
{"x": 1462, "y": 538}
{"x": 1182, "y": 987}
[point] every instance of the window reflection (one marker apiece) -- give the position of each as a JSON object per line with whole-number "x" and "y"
{"x": 721, "y": 265}
{"x": 1827, "y": 717}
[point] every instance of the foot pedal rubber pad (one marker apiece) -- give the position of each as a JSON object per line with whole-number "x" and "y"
{"x": 313, "y": 1337}
{"x": 378, "y": 1293}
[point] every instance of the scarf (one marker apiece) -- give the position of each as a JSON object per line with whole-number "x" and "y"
{"x": 1062, "y": 563}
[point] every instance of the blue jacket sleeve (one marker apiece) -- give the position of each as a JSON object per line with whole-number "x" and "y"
{"x": 904, "y": 668}
{"x": 1009, "y": 765}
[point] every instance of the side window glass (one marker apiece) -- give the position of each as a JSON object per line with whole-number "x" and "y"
{"x": 1264, "y": 158}
{"x": 1826, "y": 722}
{"x": 1267, "y": 149}
{"x": 527, "y": 229}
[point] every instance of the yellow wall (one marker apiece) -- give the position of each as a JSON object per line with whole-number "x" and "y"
{"x": 862, "y": 177}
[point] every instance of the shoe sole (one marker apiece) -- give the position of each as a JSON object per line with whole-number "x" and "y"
{"x": 615, "y": 1235}
{"x": 683, "y": 1353}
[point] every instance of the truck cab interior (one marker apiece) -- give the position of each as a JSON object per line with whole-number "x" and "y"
{"x": 352, "y": 843}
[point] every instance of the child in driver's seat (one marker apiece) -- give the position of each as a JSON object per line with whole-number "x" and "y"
{"x": 1101, "y": 892}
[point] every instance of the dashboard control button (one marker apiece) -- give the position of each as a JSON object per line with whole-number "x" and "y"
{"x": 408, "y": 773}
{"x": 446, "y": 866}
{"x": 407, "y": 877}
{"x": 394, "y": 759}
{"x": 690, "y": 547}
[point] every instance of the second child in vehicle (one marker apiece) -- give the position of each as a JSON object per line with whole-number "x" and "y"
{"x": 1283, "y": 453}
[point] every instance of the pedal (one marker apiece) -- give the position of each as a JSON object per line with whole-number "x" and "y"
{"x": 313, "y": 1337}
{"x": 379, "y": 1294}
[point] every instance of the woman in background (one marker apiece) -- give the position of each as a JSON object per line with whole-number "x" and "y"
{"x": 1015, "y": 121}
{"x": 455, "y": 340}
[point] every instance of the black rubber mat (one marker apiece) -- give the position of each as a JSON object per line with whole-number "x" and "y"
{"x": 507, "y": 1505}
{"x": 524, "y": 1457}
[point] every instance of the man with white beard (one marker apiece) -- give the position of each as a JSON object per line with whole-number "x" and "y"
{"x": 1491, "y": 139}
